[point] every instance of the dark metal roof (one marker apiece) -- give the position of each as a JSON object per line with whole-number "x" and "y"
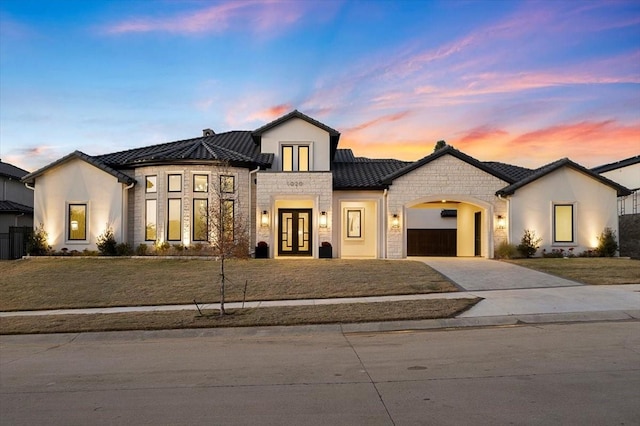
{"x": 94, "y": 161}
{"x": 564, "y": 162}
{"x": 295, "y": 114}
{"x": 454, "y": 152}
{"x": 12, "y": 172}
{"x": 235, "y": 147}
{"x": 617, "y": 165}
{"x": 364, "y": 173}
{"x": 7, "y": 206}
{"x": 514, "y": 172}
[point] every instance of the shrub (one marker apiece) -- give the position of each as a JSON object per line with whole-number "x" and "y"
{"x": 607, "y": 243}
{"x": 529, "y": 244}
{"x": 124, "y": 249}
{"x": 162, "y": 247}
{"x": 506, "y": 251}
{"x": 141, "y": 250}
{"x": 37, "y": 242}
{"x": 107, "y": 243}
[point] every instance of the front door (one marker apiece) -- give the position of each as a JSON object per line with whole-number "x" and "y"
{"x": 295, "y": 232}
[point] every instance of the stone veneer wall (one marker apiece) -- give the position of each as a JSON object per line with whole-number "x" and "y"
{"x": 273, "y": 186}
{"x": 137, "y": 207}
{"x": 629, "y": 238}
{"x": 449, "y": 176}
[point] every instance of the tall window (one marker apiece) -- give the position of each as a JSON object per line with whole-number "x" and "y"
{"x": 77, "y": 222}
{"x": 175, "y": 183}
{"x": 174, "y": 228}
{"x": 200, "y": 183}
{"x": 200, "y": 224}
{"x": 295, "y": 158}
{"x": 227, "y": 184}
{"x": 151, "y": 184}
{"x": 151, "y": 215}
{"x": 563, "y": 223}
{"x": 227, "y": 219}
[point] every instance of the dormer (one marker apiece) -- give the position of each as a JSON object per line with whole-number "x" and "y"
{"x": 299, "y": 143}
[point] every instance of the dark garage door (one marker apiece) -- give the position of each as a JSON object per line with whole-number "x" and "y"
{"x": 431, "y": 242}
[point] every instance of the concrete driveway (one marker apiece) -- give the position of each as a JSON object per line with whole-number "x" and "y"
{"x": 478, "y": 274}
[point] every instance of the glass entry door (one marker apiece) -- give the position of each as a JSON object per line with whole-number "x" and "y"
{"x": 295, "y": 232}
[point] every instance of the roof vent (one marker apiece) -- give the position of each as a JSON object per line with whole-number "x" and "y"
{"x": 208, "y": 132}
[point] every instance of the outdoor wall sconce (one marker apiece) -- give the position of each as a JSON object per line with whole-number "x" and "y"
{"x": 264, "y": 220}
{"x": 74, "y": 225}
{"x": 395, "y": 221}
{"x": 501, "y": 222}
{"x": 323, "y": 219}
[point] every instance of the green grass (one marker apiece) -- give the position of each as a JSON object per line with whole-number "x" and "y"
{"x": 596, "y": 271}
{"x": 50, "y": 283}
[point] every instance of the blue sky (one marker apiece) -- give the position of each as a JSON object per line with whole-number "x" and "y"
{"x": 520, "y": 82}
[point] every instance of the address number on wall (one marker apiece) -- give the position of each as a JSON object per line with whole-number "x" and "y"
{"x": 295, "y": 183}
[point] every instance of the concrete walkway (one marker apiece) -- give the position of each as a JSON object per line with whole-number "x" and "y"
{"x": 474, "y": 274}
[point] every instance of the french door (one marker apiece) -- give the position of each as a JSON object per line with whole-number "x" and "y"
{"x": 295, "y": 232}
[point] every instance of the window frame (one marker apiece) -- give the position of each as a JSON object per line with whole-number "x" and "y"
{"x": 555, "y": 223}
{"x": 224, "y": 185}
{"x": 85, "y": 205}
{"x": 169, "y": 176}
{"x": 206, "y": 219}
{"x": 307, "y": 156}
{"x": 154, "y": 188}
{"x": 195, "y": 187}
{"x": 146, "y": 219}
{"x": 290, "y": 165}
{"x": 169, "y": 229}
{"x": 224, "y": 229}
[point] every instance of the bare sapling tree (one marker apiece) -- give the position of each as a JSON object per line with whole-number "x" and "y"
{"x": 227, "y": 223}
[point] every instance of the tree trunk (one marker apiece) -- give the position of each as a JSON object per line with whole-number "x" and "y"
{"x": 222, "y": 286}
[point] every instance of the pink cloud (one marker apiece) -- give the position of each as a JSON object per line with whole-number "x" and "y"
{"x": 257, "y": 15}
{"x": 271, "y": 113}
{"x": 377, "y": 121}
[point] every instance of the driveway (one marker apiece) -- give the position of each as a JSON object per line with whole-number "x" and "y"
{"x": 478, "y": 274}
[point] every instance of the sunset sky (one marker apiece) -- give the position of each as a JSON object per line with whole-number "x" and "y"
{"x": 520, "y": 82}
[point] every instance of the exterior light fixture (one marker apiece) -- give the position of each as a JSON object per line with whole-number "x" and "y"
{"x": 264, "y": 220}
{"x": 74, "y": 225}
{"x": 501, "y": 222}
{"x": 323, "y": 219}
{"x": 395, "y": 221}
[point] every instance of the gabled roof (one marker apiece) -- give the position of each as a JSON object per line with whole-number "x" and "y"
{"x": 551, "y": 167}
{"x": 617, "y": 165}
{"x": 364, "y": 173}
{"x": 334, "y": 135}
{"x": 454, "y": 152}
{"x": 235, "y": 147}
{"x": 7, "y": 206}
{"x": 514, "y": 172}
{"x": 12, "y": 172}
{"x": 94, "y": 161}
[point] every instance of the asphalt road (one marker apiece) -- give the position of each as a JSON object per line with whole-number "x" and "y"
{"x": 553, "y": 374}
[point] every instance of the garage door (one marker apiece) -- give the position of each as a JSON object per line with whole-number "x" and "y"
{"x": 431, "y": 242}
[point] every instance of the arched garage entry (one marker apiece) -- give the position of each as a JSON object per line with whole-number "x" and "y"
{"x": 448, "y": 225}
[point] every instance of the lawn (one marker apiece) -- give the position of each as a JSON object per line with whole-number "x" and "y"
{"x": 102, "y": 282}
{"x": 285, "y": 315}
{"x": 597, "y": 271}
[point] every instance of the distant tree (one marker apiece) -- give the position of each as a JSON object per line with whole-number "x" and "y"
{"x": 439, "y": 145}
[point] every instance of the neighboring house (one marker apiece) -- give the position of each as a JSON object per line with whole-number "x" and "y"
{"x": 625, "y": 172}
{"x": 298, "y": 190}
{"x": 16, "y": 210}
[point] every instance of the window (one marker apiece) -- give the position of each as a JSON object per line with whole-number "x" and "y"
{"x": 297, "y": 159}
{"x": 200, "y": 183}
{"x": 151, "y": 184}
{"x": 287, "y": 158}
{"x": 227, "y": 219}
{"x": 200, "y": 222}
{"x": 77, "y": 222}
{"x": 563, "y": 223}
{"x": 303, "y": 158}
{"x": 174, "y": 232}
{"x": 175, "y": 183}
{"x": 227, "y": 184}
{"x": 151, "y": 214}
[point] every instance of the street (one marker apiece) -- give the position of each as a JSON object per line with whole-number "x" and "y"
{"x": 554, "y": 374}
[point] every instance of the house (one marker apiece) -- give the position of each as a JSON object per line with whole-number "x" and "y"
{"x": 625, "y": 172}
{"x": 298, "y": 189}
{"x": 16, "y": 210}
